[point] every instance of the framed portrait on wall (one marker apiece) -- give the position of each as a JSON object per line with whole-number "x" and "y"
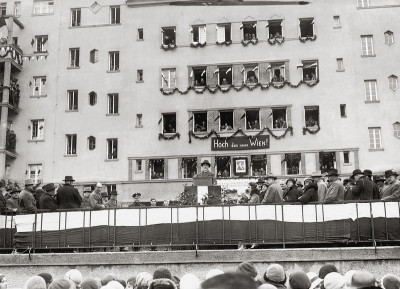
{"x": 240, "y": 167}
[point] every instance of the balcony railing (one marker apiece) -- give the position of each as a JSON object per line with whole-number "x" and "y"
{"x": 11, "y": 51}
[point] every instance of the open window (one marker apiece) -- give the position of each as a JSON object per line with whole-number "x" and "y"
{"x": 252, "y": 119}
{"x": 189, "y": 167}
{"x": 293, "y": 164}
{"x": 277, "y": 74}
{"x": 156, "y": 169}
{"x": 275, "y": 29}
{"x": 258, "y": 165}
{"x": 200, "y": 121}
{"x": 327, "y": 161}
{"x": 311, "y": 115}
{"x": 251, "y": 74}
{"x": 199, "y": 75}
{"x": 199, "y": 34}
{"x": 310, "y": 71}
{"x": 91, "y": 143}
{"x": 396, "y": 129}
{"x": 168, "y": 35}
{"x": 223, "y": 166}
{"x": 169, "y": 123}
{"x": 393, "y": 82}
{"x": 307, "y": 27}
{"x": 224, "y": 33}
{"x": 389, "y": 38}
{"x": 92, "y": 98}
{"x": 168, "y": 78}
{"x": 226, "y": 120}
{"x": 249, "y": 31}
{"x": 279, "y": 118}
{"x": 225, "y": 75}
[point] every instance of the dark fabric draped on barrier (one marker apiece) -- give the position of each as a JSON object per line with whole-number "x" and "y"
{"x": 262, "y": 224}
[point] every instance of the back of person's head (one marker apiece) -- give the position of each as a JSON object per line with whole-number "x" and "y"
{"x": 214, "y": 272}
{"x": 108, "y": 278}
{"x": 114, "y": 285}
{"x": 334, "y": 280}
{"x": 275, "y": 274}
{"x": 390, "y": 281}
{"x": 47, "y": 278}
{"x": 162, "y": 273}
{"x": 60, "y": 284}
{"x": 143, "y": 280}
{"x": 131, "y": 282}
{"x": 315, "y": 280}
{"x": 348, "y": 276}
{"x": 189, "y": 281}
{"x": 299, "y": 280}
{"x": 247, "y": 268}
{"x": 122, "y": 282}
{"x": 91, "y": 283}
{"x": 35, "y": 282}
{"x": 233, "y": 280}
{"x": 326, "y": 269}
{"x": 362, "y": 279}
{"x": 74, "y": 275}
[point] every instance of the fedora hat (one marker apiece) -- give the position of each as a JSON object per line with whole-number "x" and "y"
{"x": 87, "y": 190}
{"x": 367, "y": 172}
{"x": 260, "y": 181}
{"x": 389, "y": 173}
{"x": 104, "y": 194}
{"x": 206, "y": 162}
{"x": 28, "y": 182}
{"x": 357, "y": 172}
{"x": 136, "y": 195}
{"x": 333, "y": 172}
{"x": 115, "y": 193}
{"x": 15, "y": 190}
{"x": 49, "y": 187}
{"x": 270, "y": 176}
{"x": 316, "y": 174}
{"x": 379, "y": 179}
{"x": 68, "y": 179}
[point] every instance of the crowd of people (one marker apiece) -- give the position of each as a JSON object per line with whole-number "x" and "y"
{"x": 244, "y": 276}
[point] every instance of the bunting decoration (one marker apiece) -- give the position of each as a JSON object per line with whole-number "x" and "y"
{"x": 310, "y": 38}
{"x": 168, "y": 46}
{"x": 190, "y": 118}
{"x": 311, "y": 131}
{"x": 197, "y": 44}
{"x": 32, "y": 42}
{"x": 240, "y": 132}
{"x": 225, "y": 88}
{"x": 226, "y": 43}
{"x": 11, "y": 52}
{"x": 169, "y": 136}
{"x": 274, "y": 40}
{"x": 159, "y": 121}
{"x": 247, "y": 42}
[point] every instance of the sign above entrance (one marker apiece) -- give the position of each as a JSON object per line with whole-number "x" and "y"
{"x": 240, "y": 143}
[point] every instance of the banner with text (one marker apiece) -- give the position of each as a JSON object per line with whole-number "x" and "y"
{"x": 240, "y": 143}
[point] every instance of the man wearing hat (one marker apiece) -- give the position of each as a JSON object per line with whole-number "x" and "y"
{"x": 364, "y": 188}
{"x": 26, "y": 200}
{"x": 380, "y": 183}
{"x": 322, "y": 187}
{"x": 205, "y": 172}
{"x": 136, "y": 201}
{"x": 310, "y": 192}
{"x": 47, "y": 200}
{"x": 260, "y": 182}
{"x": 392, "y": 192}
{"x": 85, "y": 200}
{"x": 68, "y": 197}
{"x": 112, "y": 203}
{"x": 95, "y": 201}
{"x": 3, "y": 191}
{"x": 254, "y": 193}
{"x": 274, "y": 192}
{"x": 375, "y": 191}
{"x": 12, "y": 203}
{"x": 335, "y": 191}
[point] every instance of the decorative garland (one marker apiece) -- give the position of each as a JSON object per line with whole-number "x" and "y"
{"x": 169, "y": 137}
{"x": 198, "y": 44}
{"x": 246, "y": 42}
{"x": 241, "y": 132}
{"x": 15, "y": 55}
{"x": 273, "y": 41}
{"x": 168, "y": 46}
{"x": 304, "y": 39}
{"x": 311, "y": 131}
{"x": 224, "y": 88}
{"x": 226, "y": 43}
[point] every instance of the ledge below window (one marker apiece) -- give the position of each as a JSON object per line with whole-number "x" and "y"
{"x": 112, "y": 114}
{"x": 73, "y": 67}
{"x": 70, "y": 156}
{"x": 38, "y": 96}
{"x": 71, "y": 110}
{"x": 111, "y": 160}
{"x": 340, "y": 70}
{"x": 35, "y": 140}
{"x": 138, "y": 81}
{"x": 139, "y": 172}
{"x": 42, "y": 14}
{"x": 372, "y": 101}
{"x": 113, "y": 71}
{"x": 347, "y": 165}
{"x": 366, "y": 56}
{"x": 138, "y": 126}
{"x": 376, "y": 150}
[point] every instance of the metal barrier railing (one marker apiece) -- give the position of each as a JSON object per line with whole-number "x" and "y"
{"x": 232, "y": 224}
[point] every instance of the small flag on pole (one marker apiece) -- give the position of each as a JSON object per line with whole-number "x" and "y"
{"x": 160, "y": 121}
{"x": 163, "y": 77}
{"x": 204, "y": 71}
{"x": 268, "y": 67}
{"x": 216, "y": 71}
{"x": 241, "y": 26}
{"x": 190, "y": 118}
{"x": 243, "y": 116}
{"x": 191, "y": 74}
{"x": 254, "y": 25}
{"x": 255, "y": 68}
{"x": 229, "y": 70}
{"x": 216, "y": 118}
{"x": 242, "y": 69}
{"x": 299, "y": 66}
{"x": 315, "y": 64}
{"x": 33, "y": 41}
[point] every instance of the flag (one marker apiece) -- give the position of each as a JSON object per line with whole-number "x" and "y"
{"x": 216, "y": 71}
{"x": 299, "y": 66}
{"x": 190, "y": 118}
{"x": 255, "y": 68}
{"x": 160, "y": 121}
{"x": 282, "y": 66}
{"x": 204, "y": 71}
{"x": 30, "y": 83}
{"x": 242, "y": 69}
{"x": 254, "y": 25}
{"x": 216, "y": 118}
{"x": 163, "y": 77}
{"x": 268, "y": 67}
{"x": 32, "y": 42}
{"x": 243, "y": 116}
{"x": 191, "y": 73}
{"x": 191, "y": 29}
{"x": 267, "y": 25}
{"x": 229, "y": 70}
{"x": 315, "y": 64}
{"x": 241, "y": 26}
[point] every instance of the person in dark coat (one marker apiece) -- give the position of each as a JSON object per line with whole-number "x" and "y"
{"x": 364, "y": 188}
{"x": 26, "y": 200}
{"x": 68, "y": 197}
{"x": 37, "y": 194}
{"x": 310, "y": 192}
{"x": 254, "y": 194}
{"x": 47, "y": 200}
{"x": 12, "y": 203}
{"x": 375, "y": 192}
{"x": 136, "y": 201}
{"x": 293, "y": 194}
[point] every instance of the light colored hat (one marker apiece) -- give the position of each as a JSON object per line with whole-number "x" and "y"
{"x": 28, "y": 182}
{"x": 316, "y": 174}
{"x": 315, "y": 280}
{"x": 189, "y": 281}
{"x": 99, "y": 185}
{"x": 348, "y": 276}
{"x": 143, "y": 279}
{"x": 334, "y": 281}
{"x": 214, "y": 272}
{"x": 74, "y": 275}
{"x": 35, "y": 282}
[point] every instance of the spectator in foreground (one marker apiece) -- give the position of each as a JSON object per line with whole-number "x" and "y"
{"x": 274, "y": 192}
{"x": 334, "y": 280}
{"x": 47, "y": 200}
{"x": 293, "y": 193}
{"x": 68, "y": 197}
{"x": 299, "y": 280}
{"x": 322, "y": 188}
{"x": 143, "y": 280}
{"x": 3, "y": 282}
{"x": 60, "y": 284}
{"x": 229, "y": 281}
{"x": 326, "y": 269}
{"x": 390, "y": 281}
{"x": 391, "y": 193}
{"x": 162, "y": 278}
{"x": 310, "y": 192}
{"x": 86, "y": 197}
{"x": 275, "y": 275}
{"x": 335, "y": 191}
{"x": 91, "y": 283}
{"x": 47, "y": 278}
{"x": 35, "y": 282}
{"x": 26, "y": 199}
{"x": 75, "y": 276}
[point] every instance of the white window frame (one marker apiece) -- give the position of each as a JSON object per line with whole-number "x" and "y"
{"x": 371, "y": 90}
{"x": 336, "y": 21}
{"x": 113, "y": 63}
{"x": 70, "y": 139}
{"x": 367, "y": 45}
{"x": 185, "y": 169}
{"x": 43, "y": 7}
{"x": 3, "y": 7}
{"x": 375, "y": 138}
{"x": 113, "y": 103}
{"x": 308, "y": 64}
{"x": 72, "y": 99}
{"x": 389, "y": 37}
{"x": 139, "y": 165}
{"x": 231, "y": 71}
{"x": 93, "y": 139}
{"x": 313, "y": 25}
{"x": 37, "y": 170}
{"x": 276, "y": 21}
{"x": 221, "y": 32}
{"x": 310, "y": 107}
{"x": 282, "y": 68}
{"x": 396, "y": 129}
{"x": 17, "y": 8}
{"x": 162, "y": 34}
{"x": 362, "y": 3}
{"x": 38, "y": 83}
{"x": 393, "y": 82}
{"x": 176, "y": 125}
{"x": 259, "y": 118}
{"x": 74, "y": 54}
{"x": 111, "y": 144}
{"x": 247, "y": 68}
{"x": 76, "y": 17}
{"x": 202, "y": 32}
{"x": 37, "y": 133}
{"x": 286, "y": 117}
{"x": 115, "y": 14}
{"x": 39, "y": 40}
{"x": 339, "y": 64}
{"x": 233, "y": 120}
{"x": 168, "y": 78}
{"x": 194, "y": 122}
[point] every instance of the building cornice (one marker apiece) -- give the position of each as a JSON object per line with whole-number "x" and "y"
{"x": 149, "y": 3}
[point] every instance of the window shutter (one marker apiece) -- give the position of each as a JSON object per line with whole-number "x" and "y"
{"x": 264, "y": 74}
{"x": 212, "y": 79}
{"x": 266, "y": 117}
{"x": 190, "y": 77}
{"x": 40, "y": 129}
{"x": 202, "y": 34}
{"x": 237, "y": 74}
{"x": 289, "y": 116}
{"x": 287, "y": 74}
{"x": 238, "y": 121}
{"x": 211, "y": 116}
{"x": 220, "y": 34}
{"x": 191, "y": 120}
